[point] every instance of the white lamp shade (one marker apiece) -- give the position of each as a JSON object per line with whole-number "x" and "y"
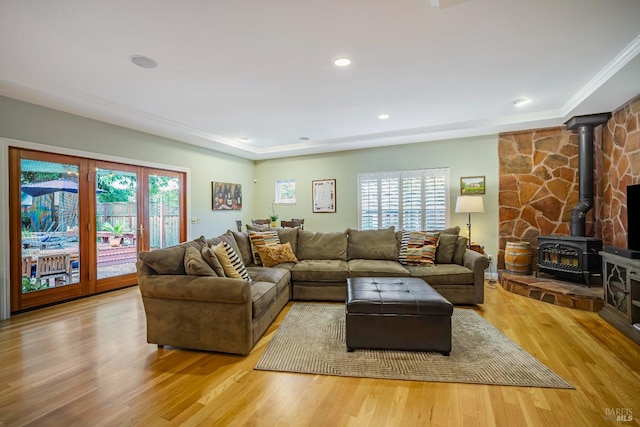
{"x": 469, "y": 204}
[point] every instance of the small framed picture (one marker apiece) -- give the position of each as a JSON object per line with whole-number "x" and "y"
{"x": 324, "y": 195}
{"x": 470, "y": 185}
{"x": 226, "y": 196}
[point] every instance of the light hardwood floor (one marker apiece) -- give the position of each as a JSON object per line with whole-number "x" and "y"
{"x": 87, "y": 363}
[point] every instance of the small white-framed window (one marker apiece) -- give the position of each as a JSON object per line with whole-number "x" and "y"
{"x": 285, "y": 191}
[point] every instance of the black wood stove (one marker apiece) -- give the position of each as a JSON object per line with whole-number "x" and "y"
{"x": 572, "y": 257}
{"x": 576, "y": 256}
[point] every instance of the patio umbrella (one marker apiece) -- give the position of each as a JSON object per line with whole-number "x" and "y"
{"x": 26, "y": 200}
{"x": 47, "y": 187}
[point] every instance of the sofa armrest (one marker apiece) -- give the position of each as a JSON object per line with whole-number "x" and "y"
{"x": 196, "y": 288}
{"x": 477, "y": 263}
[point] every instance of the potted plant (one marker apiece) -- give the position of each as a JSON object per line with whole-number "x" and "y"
{"x": 117, "y": 230}
{"x": 273, "y": 217}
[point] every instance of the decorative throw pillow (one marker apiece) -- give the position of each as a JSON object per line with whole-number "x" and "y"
{"x": 231, "y": 241}
{"x": 411, "y": 247}
{"x": 195, "y": 265}
{"x": 461, "y": 246}
{"x": 428, "y": 256}
{"x": 260, "y": 239}
{"x": 231, "y": 262}
{"x": 210, "y": 257}
{"x": 446, "y": 248}
{"x": 276, "y": 254}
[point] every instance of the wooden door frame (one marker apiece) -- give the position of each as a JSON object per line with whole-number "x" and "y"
{"x": 87, "y": 251}
{"x": 19, "y": 301}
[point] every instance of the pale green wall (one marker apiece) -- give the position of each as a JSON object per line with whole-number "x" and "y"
{"x": 465, "y": 157}
{"x": 32, "y": 123}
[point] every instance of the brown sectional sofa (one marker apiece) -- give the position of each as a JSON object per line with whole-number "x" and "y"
{"x": 216, "y": 313}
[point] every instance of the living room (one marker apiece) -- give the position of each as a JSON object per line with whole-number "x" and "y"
{"x": 602, "y": 371}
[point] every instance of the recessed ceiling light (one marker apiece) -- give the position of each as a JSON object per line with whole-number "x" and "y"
{"x": 143, "y": 61}
{"x": 383, "y": 116}
{"x": 303, "y": 138}
{"x": 243, "y": 139}
{"x": 521, "y": 101}
{"x": 342, "y": 62}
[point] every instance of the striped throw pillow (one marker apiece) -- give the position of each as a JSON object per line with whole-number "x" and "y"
{"x": 231, "y": 262}
{"x": 414, "y": 248}
{"x": 260, "y": 239}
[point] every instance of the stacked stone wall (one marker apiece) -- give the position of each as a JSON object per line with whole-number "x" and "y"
{"x": 538, "y": 183}
{"x": 618, "y": 167}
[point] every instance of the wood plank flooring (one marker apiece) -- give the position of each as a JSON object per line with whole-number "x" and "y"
{"x": 87, "y": 363}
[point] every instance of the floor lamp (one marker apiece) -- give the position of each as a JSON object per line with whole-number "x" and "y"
{"x": 469, "y": 205}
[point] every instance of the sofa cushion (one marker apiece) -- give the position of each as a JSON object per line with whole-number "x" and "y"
{"x": 461, "y": 247}
{"x": 260, "y": 239}
{"x": 170, "y": 260}
{"x": 443, "y": 274}
{"x": 231, "y": 241}
{"x": 446, "y": 248}
{"x": 376, "y": 268}
{"x": 231, "y": 262}
{"x": 210, "y": 258}
{"x": 195, "y": 265}
{"x": 373, "y": 244}
{"x": 281, "y": 277}
{"x": 449, "y": 230}
{"x": 262, "y": 295}
{"x": 322, "y": 246}
{"x": 244, "y": 246}
{"x": 314, "y": 270}
{"x": 289, "y": 235}
{"x": 165, "y": 261}
{"x": 276, "y": 254}
{"x": 418, "y": 247}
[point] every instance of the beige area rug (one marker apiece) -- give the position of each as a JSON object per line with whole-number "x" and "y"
{"x": 311, "y": 340}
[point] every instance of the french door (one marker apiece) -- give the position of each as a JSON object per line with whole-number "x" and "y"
{"x": 77, "y": 224}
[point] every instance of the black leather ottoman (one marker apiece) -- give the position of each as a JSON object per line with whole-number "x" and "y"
{"x": 403, "y": 313}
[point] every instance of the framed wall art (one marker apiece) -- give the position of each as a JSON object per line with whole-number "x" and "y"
{"x": 226, "y": 196}
{"x": 324, "y": 195}
{"x": 472, "y": 185}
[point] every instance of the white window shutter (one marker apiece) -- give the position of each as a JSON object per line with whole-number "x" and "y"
{"x": 408, "y": 200}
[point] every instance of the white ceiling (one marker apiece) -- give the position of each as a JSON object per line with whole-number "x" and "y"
{"x": 264, "y": 70}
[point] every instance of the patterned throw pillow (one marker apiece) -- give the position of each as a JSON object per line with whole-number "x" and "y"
{"x": 415, "y": 248}
{"x": 428, "y": 256}
{"x": 277, "y": 254}
{"x": 260, "y": 239}
{"x": 231, "y": 262}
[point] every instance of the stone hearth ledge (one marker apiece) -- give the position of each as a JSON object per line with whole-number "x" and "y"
{"x": 553, "y": 291}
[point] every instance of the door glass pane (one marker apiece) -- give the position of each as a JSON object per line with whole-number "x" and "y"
{"x": 164, "y": 211}
{"x": 116, "y": 222}
{"x": 49, "y": 216}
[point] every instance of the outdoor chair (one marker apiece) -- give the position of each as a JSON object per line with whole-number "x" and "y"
{"x": 54, "y": 266}
{"x": 26, "y": 266}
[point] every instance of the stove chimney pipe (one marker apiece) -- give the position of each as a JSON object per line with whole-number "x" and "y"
{"x": 585, "y": 126}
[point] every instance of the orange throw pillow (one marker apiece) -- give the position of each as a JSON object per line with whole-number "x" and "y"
{"x": 276, "y": 254}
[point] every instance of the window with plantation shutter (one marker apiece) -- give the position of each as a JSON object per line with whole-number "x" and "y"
{"x": 407, "y": 200}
